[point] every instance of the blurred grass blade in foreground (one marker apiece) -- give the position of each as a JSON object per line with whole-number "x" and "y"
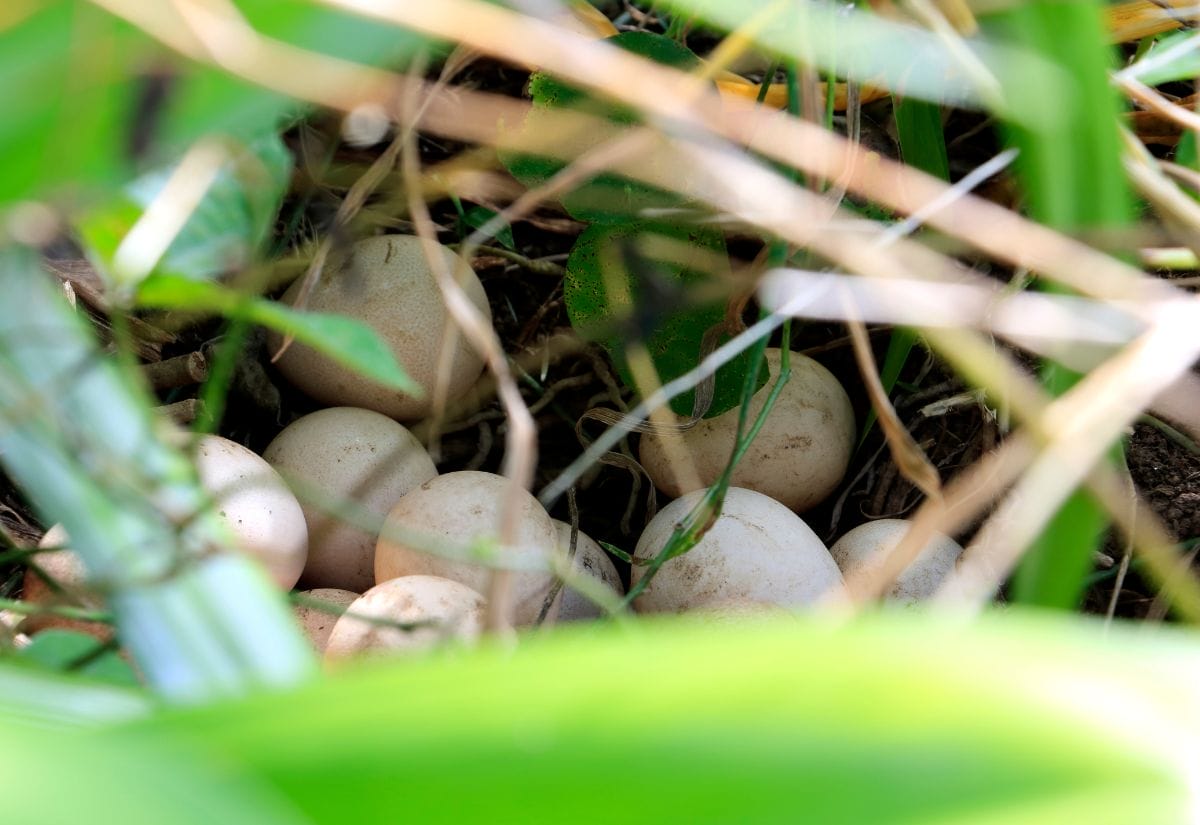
{"x": 82, "y": 441}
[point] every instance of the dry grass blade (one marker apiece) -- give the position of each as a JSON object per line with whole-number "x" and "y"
{"x": 909, "y": 457}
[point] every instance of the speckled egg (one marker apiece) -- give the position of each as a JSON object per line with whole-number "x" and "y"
{"x": 449, "y": 610}
{"x": 346, "y": 456}
{"x": 590, "y": 561}
{"x": 798, "y": 457}
{"x": 450, "y": 513}
{"x": 386, "y": 283}
{"x": 316, "y": 623}
{"x": 253, "y": 500}
{"x": 862, "y": 550}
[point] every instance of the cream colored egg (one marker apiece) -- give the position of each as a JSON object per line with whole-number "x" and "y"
{"x": 445, "y": 609}
{"x": 862, "y": 550}
{"x": 450, "y": 513}
{"x": 798, "y": 457}
{"x": 317, "y": 623}
{"x": 346, "y": 456}
{"x": 591, "y": 561}
{"x": 66, "y": 568}
{"x": 386, "y": 283}
{"x": 253, "y": 500}
{"x": 757, "y": 551}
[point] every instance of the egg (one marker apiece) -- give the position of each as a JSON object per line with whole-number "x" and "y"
{"x": 450, "y": 609}
{"x": 862, "y": 550}
{"x": 347, "y": 454}
{"x": 67, "y": 570}
{"x": 453, "y": 511}
{"x": 316, "y": 623}
{"x": 590, "y": 561}
{"x": 264, "y": 516}
{"x": 386, "y": 283}
{"x": 758, "y": 551}
{"x": 798, "y": 457}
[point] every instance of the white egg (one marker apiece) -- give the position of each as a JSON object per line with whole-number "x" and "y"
{"x": 354, "y": 456}
{"x": 452, "y": 512}
{"x": 253, "y": 500}
{"x": 590, "y": 561}
{"x": 316, "y": 623}
{"x": 862, "y": 550}
{"x": 758, "y": 551}
{"x": 445, "y": 610}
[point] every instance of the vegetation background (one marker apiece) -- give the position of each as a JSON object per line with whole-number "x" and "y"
{"x": 1035, "y": 232}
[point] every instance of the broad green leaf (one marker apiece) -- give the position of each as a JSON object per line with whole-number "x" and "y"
{"x": 607, "y": 198}
{"x": 66, "y": 108}
{"x": 226, "y": 229}
{"x": 52, "y": 777}
{"x": 346, "y": 340}
{"x": 607, "y": 303}
{"x": 70, "y": 651}
{"x": 891, "y": 719}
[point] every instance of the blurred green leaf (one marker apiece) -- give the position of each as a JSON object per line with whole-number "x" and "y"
{"x": 225, "y": 230}
{"x": 70, "y": 651}
{"x": 654, "y": 308}
{"x": 53, "y": 777}
{"x": 897, "y": 718}
{"x": 346, "y": 340}
{"x": 89, "y": 98}
{"x": 63, "y": 71}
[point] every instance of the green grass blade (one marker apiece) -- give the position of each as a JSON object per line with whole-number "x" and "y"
{"x": 1071, "y": 174}
{"x": 919, "y": 130}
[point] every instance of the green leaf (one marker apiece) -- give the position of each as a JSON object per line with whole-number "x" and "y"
{"x": 88, "y": 97}
{"x": 346, "y": 340}
{"x": 606, "y": 198}
{"x": 654, "y": 308}
{"x": 55, "y": 776}
{"x": 1072, "y": 177}
{"x": 66, "y": 108}
{"x": 1184, "y": 66}
{"x": 224, "y": 232}
{"x": 478, "y": 216}
{"x": 892, "y": 720}
{"x": 70, "y": 651}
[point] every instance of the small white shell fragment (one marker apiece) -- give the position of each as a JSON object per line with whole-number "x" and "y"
{"x": 592, "y": 561}
{"x": 758, "y": 551}
{"x": 798, "y": 457}
{"x": 862, "y": 550}
{"x": 453, "y": 511}
{"x": 452, "y": 610}
{"x": 386, "y": 283}
{"x": 253, "y": 500}
{"x": 316, "y": 623}
{"x": 347, "y": 454}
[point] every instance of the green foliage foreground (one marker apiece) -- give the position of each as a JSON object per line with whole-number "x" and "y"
{"x": 894, "y": 718}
